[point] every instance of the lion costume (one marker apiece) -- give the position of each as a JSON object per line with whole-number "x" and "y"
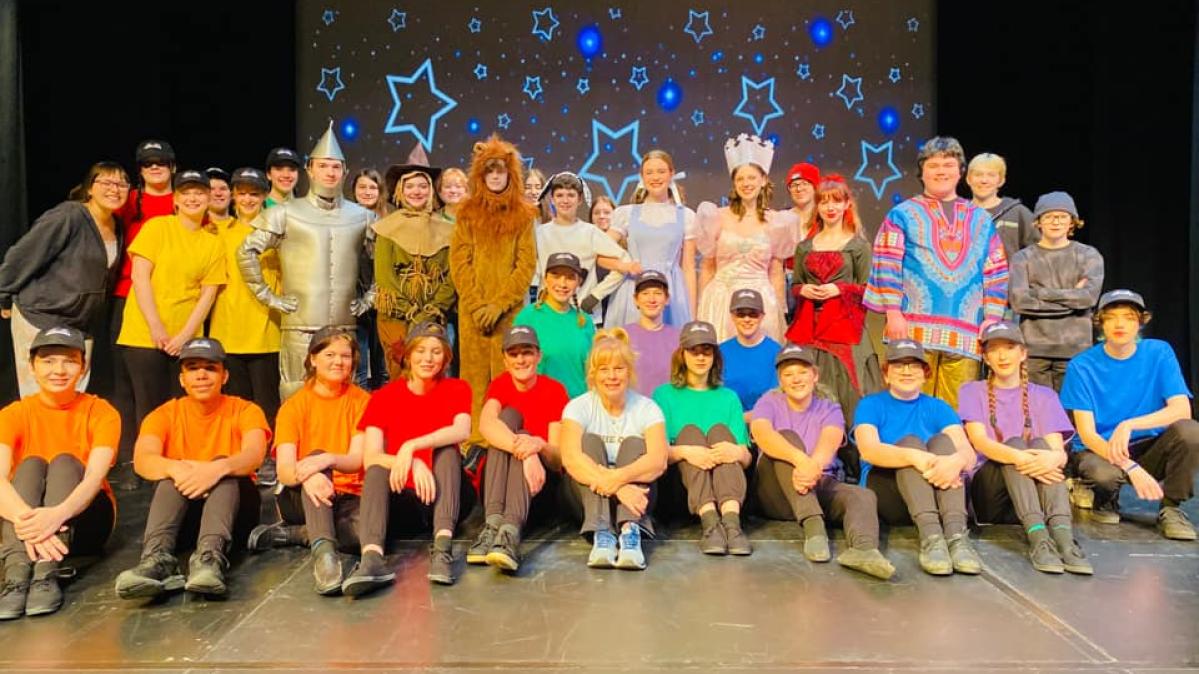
{"x": 492, "y": 259}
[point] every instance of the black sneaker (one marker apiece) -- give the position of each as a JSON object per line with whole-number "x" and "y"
{"x": 1073, "y": 558}
{"x": 1043, "y": 554}
{"x": 738, "y": 542}
{"x": 45, "y": 596}
{"x": 326, "y": 568}
{"x": 505, "y": 554}
{"x": 370, "y": 574}
{"x": 157, "y": 572}
{"x": 15, "y": 590}
{"x": 477, "y": 552}
{"x": 712, "y": 540}
{"x": 277, "y": 535}
{"x": 206, "y": 573}
{"x": 268, "y": 475}
{"x": 441, "y": 561}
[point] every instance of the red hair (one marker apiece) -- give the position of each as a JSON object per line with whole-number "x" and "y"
{"x": 833, "y": 186}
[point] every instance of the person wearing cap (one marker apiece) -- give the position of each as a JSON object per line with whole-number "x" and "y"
{"x": 1054, "y": 285}
{"x": 414, "y": 426}
{"x": 744, "y": 244}
{"x": 62, "y": 271}
{"x": 831, "y": 269}
{"x": 708, "y": 441}
{"x": 939, "y": 272}
{"x": 566, "y": 329}
{"x": 178, "y": 268}
{"x": 319, "y": 451}
{"x": 56, "y": 447}
{"x": 801, "y": 218}
{"x": 652, "y": 338}
{"x": 320, "y": 240}
{"x": 614, "y": 450}
{"x": 914, "y": 453}
{"x": 283, "y": 172}
{"x": 220, "y": 196}
{"x": 800, "y": 473}
{"x": 566, "y": 232}
{"x": 201, "y": 451}
{"x": 986, "y": 174}
{"x": 521, "y": 422}
{"x": 412, "y": 258}
{"x": 749, "y": 354}
{"x": 1132, "y": 409}
{"x": 1021, "y": 430}
{"x": 658, "y": 230}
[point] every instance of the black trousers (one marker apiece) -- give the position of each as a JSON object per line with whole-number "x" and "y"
{"x": 47, "y": 484}
{"x": 601, "y": 512}
{"x": 225, "y": 514}
{"x": 854, "y": 508}
{"x": 904, "y": 496}
{"x": 505, "y": 490}
{"x": 384, "y": 511}
{"x": 154, "y": 376}
{"x": 255, "y": 377}
{"x": 1049, "y": 372}
{"x": 1002, "y": 495}
{"x": 338, "y": 523}
{"x": 719, "y": 484}
{"x": 1170, "y": 457}
{"x": 122, "y": 386}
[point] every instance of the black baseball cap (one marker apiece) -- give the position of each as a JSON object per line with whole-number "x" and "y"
{"x": 154, "y": 150}
{"x": 59, "y": 335}
{"x": 521, "y": 335}
{"x": 651, "y": 277}
{"x": 747, "y": 298}
{"x": 282, "y": 155}
{"x": 794, "y": 353}
{"x": 905, "y": 348}
{"x": 191, "y": 177}
{"x": 250, "y": 176}
{"x": 697, "y": 333}
{"x": 203, "y": 348}
{"x": 217, "y": 173}
{"x": 1003, "y": 330}
{"x": 1122, "y": 296}
{"x": 568, "y": 260}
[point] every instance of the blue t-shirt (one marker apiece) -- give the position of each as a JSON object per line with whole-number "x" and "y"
{"x": 923, "y": 417}
{"x": 749, "y": 370}
{"x": 1114, "y": 390}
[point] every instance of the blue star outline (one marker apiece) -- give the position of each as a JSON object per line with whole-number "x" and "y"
{"x": 426, "y": 137}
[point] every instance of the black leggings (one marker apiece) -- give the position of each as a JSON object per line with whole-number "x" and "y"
{"x": 600, "y": 512}
{"x": 384, "y": 511}
{"x": 338, "y": 523}
{"x": 47, "y": 484}
{"x": 225, "y": 514}
{"x": 719, "y": 484}
{"x": 904, "y": 496}
{"x": 154, "y": 376}
{"x": 255, "y": 377}
{"x": 1002, "y": 495}
{"x": 505, "y": 490}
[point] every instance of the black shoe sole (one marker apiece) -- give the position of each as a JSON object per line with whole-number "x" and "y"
{"x": 361, "y": 585}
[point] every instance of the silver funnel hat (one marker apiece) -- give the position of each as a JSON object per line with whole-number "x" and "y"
{"x": 328, "y": 148}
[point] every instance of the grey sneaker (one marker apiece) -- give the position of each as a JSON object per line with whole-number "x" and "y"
{"x": 326, "y": 568}
{"x": 1043, "y": 553}
{"x": 369, "y": 574}
{"x": 45, "y": 596}
{"x": 733, "y": 533}
{"x": 505, "y": 554}
{"x": 15, "y": 590}
{"x": 441, "y": 561}
{"x": 965, "y": 559}
{"x": 631, "y": 557}
{"x": 206, "y": 573}
{"x": 1080, "y": 495}
{"x": 157, "y": 572}
{"x": 603, "y": 550}
{"x": 815, "y": 548}
{"x": 934, "y": 556}
{"x": 1073, "y": 558}
{"x": 712, "y": 541}
{"x": 870, "y": 562}
{"x": 1174, "y": 524}
{"x": 477, "y": 552}
{"x": 277, "y": 535}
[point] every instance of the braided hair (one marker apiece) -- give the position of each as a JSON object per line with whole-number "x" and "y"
{"x": 1025, "y": 412}
{"x": 544, "y": 292}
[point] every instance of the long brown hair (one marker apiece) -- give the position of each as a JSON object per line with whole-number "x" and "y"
{"x": 761, "y": 204}
{"x": 318, "y": 346}
{"x": 678, "y": 369}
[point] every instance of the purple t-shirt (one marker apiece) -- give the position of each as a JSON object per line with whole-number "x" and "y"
{"x": 1043, "y": 406}
{"x": 808, "y": 424}
{"x": 653, "y": 349}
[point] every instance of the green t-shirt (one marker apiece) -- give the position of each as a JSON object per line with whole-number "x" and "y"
{"x": 564, "y": 344}
{"x": 704, "y": 409}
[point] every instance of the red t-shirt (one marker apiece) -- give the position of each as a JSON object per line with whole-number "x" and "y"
{"x": 403, "y": 415}
{"x": 153, "y": 205}
{"x": 540, "y": 406}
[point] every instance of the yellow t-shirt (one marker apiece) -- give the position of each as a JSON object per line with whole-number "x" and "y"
{"x": 239, "y": 320}
{"x": 184, "y": 260}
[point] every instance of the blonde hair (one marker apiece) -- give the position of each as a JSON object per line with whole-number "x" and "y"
{"x": 988, "y": 160}
{"x": 608, "y": 345}
{"x": 452, "y": 172}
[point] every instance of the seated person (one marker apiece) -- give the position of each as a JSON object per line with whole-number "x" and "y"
{"x": 56, "y": 447}
{"x": 749, "y": 356}
{"x": 652, "y": 339}
{"x": 202, "y": 450}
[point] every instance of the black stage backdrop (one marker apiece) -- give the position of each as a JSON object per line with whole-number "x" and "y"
{"x": 1079, "y": 97}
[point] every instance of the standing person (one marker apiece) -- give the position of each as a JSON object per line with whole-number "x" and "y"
{"x": 986, "y": 175}
{"x": 56, "y": 447}
{"x": 248, "y": 329}
{"x": 613, "y": 449}
{"x": 659, "y": 232}
{"x": 61, "y": 272}
{"x": 568, "y": 329}
{"x": 802, "y": 180}
{"x": 831, "y": 269}
{"x": 492, "y": 260}
{"x": 708, "y": 441}
{"x": 178, "y": 268}
{"x": 201, "y": 450}
{"x": 652, "y": 340}
{"x": 744, "y": 244}
{"x": 533, "y": 185}
{"x": 412, "y": 258}
{"x": 939, "y": 272}
{"x": 319, "y": 458}
{"x": 1054, "y": 284}
{"x": 283, "y": 170}
{"x": 602, "y": 208}
{"x": 1132, "y": 409}
{"x": 521, "y": 422}
{"x": 1023, "y": 479}
{"x": 800, "y": 474}
{"x": 914, "y": 452}
{"x": 749, "y": 354}
{"x": 414, "y": 427}
{"x": 220, "y": 196}
{"x": 319, "y": 240}
{"x": 567, "y": 233}
{"x": 451, "y": 190}
{"x": 366, "y": 190}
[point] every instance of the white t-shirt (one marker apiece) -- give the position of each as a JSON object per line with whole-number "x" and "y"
{"x": 587, "y": 242}
{"x": 639, "y": 414}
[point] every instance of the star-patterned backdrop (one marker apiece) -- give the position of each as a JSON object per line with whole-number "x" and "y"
{"x": 590, "y": 86}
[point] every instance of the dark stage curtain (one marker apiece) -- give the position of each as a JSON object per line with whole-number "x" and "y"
{"x": 12, "y": 165}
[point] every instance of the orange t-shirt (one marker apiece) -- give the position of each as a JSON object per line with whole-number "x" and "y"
{"x": 33, "y": 427}
{"x": 188, "y": 434}
{"x": 313, "y": 422}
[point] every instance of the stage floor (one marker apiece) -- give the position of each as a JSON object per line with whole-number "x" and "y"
{"x": 772, "y": 612}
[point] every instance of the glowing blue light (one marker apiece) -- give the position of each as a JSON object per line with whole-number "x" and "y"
{"x": 349, "y": 128}
{"x": 774, "y": 138}
{"x": 473, "y": 125}
{"x": 758, "y": 58}
{"x": 590, "y": 41}
{"x": 888, "y": 120}
{"x": 717, "y": 56}
{"x": 670, "y": 95}
{"x": 821, "y": 32}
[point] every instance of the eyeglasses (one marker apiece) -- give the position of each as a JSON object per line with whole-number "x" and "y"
{"x": 108, "y": 183}
{"x": 907, "y": 365}
{"x": 1055, "y": 217}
